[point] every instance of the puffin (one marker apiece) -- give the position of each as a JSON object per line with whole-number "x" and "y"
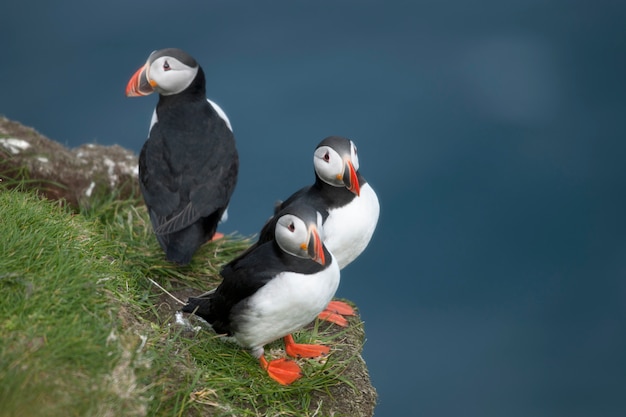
{"x": 348, "y": 204}
{"x": 188, "y": 165}
{"x": 273, "y": 290}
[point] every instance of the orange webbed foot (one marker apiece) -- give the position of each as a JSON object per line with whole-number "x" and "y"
{"x": 300, "y": 350}
{"x": 334, "y": 312}
{"x": 339, "y": 307}
{"x": 283, "y": 370}
{"x": 333, "y": 318}
{"x": 217, "y": 236}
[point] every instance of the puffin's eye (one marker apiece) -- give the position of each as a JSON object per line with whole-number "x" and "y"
{"x": 327, "y": 156}
{"x": 166, "y": 66}
{"x": 291, "y": 227}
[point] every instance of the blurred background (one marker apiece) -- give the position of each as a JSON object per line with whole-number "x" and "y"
{"x": 493, "y": 132}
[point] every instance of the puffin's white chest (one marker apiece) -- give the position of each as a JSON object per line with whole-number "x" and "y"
{"x": 348, "y": 229}
{"x": 285, "y": 304}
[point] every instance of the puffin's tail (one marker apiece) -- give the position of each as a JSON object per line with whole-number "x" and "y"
{"x": 200, "y": 306}
{"x": 180, "y": 246}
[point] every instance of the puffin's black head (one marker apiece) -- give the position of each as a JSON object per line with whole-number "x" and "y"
{"x": 336, "y": 163}
{"x": 167, "y": 71}
{"x": 298, "y": 232}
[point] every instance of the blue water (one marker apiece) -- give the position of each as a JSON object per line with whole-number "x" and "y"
{"x": 494, "y": 134}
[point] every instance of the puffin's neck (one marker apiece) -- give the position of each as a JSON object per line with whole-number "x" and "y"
{"x": 336, "y": 196}
{"x": 195, "y": 92}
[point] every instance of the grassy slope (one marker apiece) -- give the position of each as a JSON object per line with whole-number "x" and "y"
{"x": 83, "y": 331}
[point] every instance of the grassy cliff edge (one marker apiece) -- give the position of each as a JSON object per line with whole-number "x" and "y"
{"x": 88, "y": 325}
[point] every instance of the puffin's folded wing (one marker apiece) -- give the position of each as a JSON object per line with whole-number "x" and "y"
{"x": 186, "y": 217}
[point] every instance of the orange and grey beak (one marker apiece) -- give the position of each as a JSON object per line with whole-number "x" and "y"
{"x": 139, "y": 85}
{"x": 350, "y": 178}
{"x": 315, "y": 248}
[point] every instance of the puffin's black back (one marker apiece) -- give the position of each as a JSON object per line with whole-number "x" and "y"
{"x": 187, "y": 171}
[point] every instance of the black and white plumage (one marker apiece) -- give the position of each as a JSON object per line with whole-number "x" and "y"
{"x": 188, "y": 166}
{"x": 348, "y": 204}
{"x": 274, "y": 289}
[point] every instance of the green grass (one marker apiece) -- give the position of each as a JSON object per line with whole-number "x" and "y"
{"x": 85, "y": 332}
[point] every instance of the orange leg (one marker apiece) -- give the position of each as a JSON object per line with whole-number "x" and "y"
{"x": 299, "y": 350}
{"x": 335, "y": 310}
{"x": 283, "y": 370}
{"x": 216, "y": 236}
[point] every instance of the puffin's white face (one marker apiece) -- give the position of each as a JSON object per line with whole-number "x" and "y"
{"x": 297, "y": 238}
{"x": 167, "y": 71}
{"x": 170, "y": 76}
{"x": 331, "y": 167}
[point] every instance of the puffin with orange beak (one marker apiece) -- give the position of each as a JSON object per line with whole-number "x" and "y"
{"x": 188, "y": 165}
{"x": 348, "y": 204}
{"x": 274, "y": 289}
